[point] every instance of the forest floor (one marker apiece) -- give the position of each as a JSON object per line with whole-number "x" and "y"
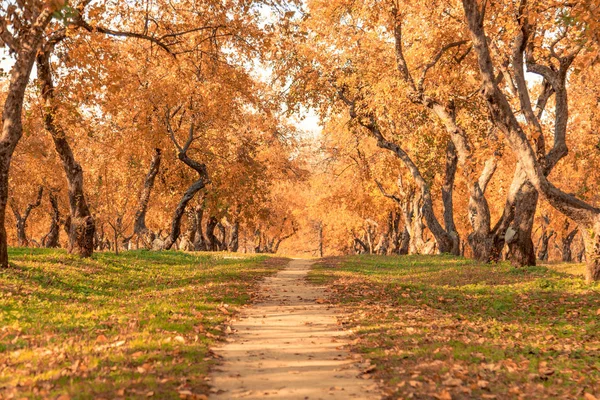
{"x": 289, "y": 346}
{"x": 137, "y": 325}
{"x": 441, "y": 327}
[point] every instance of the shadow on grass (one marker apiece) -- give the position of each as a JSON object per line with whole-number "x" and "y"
{"x": 514, "y": 328}
{"x": 132, "y": 325}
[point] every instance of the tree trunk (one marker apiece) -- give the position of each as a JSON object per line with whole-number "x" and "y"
{"x": 360, "y": 247}
{"x": 26, "y": 49}
{"x": 234, "y": 240}
{"x": 180, "y": 210}
{"x": 212, "y": 243}
{"x": 521, "y": 250}
{"x": 200, "y": 184}
{"x": 21, "y": 224}
{"x": 320, "y": 249}
{"x": 199, "y": 241}
{"x": 444, "y": 241}
{"x": 81, "y": 232}
{"x": 567, "y": 241}
{"x": 447, "y": 197}
{"x": 139, "y": 226}
{"x": 52, "y": 238}
{"x": 544, "y": 241}
{"x": 222, "y": 240}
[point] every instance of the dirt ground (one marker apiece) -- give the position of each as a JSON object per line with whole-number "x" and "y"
{"x": 290, "y": 346}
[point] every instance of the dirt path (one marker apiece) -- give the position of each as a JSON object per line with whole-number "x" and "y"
{"x": 289, "y": 346}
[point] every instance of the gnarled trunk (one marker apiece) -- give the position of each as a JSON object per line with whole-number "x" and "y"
{"x": 534, "y": 165}
{"x": 82, "y": 227}
{"x": 194, "y": 188}
{"x": 52, "y": 237}
{"x": 520, "y": 244}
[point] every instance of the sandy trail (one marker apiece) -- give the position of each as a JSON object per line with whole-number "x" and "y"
{"x": 289, "y": 346}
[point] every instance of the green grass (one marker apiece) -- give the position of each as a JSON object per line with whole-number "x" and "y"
{"x": 128, "y": 326}
{"x": 446, "y": 326}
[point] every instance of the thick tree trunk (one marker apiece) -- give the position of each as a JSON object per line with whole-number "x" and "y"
{"x": 26, "y": 48}
{"x": 234, "y": 240}
{"x": 360, "y": 247}
{"x": 52, "y": 238}
{"x": 139, "y": 226}
{"x": 520, "y": 244}
{"x": 82, "y": 227}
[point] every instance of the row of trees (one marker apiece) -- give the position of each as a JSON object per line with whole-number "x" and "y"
{"x": 459, "y": 127}
{"x": 143, "y": 124}
{"x": 464, "y": 96}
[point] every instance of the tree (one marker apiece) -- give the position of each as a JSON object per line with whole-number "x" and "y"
{"x": 21, "y": 219}
{"x": 586, "y": 215}
{"x": 22, "y": 32}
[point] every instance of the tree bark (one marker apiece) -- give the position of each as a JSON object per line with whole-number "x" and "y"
{"x": 21, "y": 220}
{"x": 25, "y": 48}
{"x": 82, "y": 227}
{"x": 212, "y": 243}
{"x": 52, "y": 237}
{"x": 139, "y": 226}
{"x": 544, "y": 240}
{"x": 521, "y": 250}
{"x": 447, "y": 197}
{"x": 567, "y": 241}
{"x": 234, "y": 239}
{"x": 199, "y": 241}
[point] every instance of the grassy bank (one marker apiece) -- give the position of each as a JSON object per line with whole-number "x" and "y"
{"x": 447, "y": 328}
{"x": 136, "y": 325}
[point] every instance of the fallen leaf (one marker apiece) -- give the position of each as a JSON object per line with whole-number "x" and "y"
{"x": 101, "y": 339}
{"x": 179, "y": 339}
{"x": 589, "y": 396}
{"x": 443, "y": 395}
{"x": 453, "y": 382}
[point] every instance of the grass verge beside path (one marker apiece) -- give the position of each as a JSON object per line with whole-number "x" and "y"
{"x": 441, "y": 327}
{"x": 137, "y": 325}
